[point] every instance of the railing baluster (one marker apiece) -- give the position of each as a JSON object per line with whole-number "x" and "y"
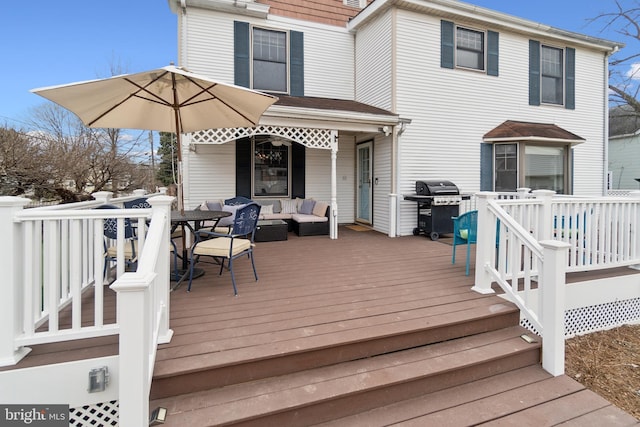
{"x": 75, "y": 274}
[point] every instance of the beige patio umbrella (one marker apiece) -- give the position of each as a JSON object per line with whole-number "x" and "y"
{"x": 169, "y": 99}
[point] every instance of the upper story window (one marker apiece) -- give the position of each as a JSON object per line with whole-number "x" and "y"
{"x": 552, "y": 75}
{"x": 270, "y": 60}
{"x": 462, "y": 47}
{"x": 469, "y": 48}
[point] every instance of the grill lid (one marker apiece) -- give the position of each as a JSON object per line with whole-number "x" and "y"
{"x": 436, "y": 187}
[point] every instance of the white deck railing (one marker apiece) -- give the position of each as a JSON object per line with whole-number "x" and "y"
{"x": 53, "y": 255}
{"x": 527, "y": 243}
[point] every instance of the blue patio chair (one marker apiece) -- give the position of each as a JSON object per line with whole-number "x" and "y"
{"x": 238, "y": 200}
{"x": 222, "y": 246}
{"x": 465, "y": 230}
{"x": 110, "y": 230}
{"x": 142, "y": 203}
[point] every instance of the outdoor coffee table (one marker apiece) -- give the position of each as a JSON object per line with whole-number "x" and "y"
{"x": 270, "y": 230}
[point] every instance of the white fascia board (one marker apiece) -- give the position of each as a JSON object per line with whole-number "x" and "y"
{"x": 237, "y": 7}
{"x": 454, "y": 8}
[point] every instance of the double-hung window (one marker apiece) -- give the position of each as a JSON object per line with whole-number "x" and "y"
{"x": 470, "y": 48}
{"x": 552, "y": 75}
{"x": 466, "y": 48}
{"x": 270, "y": 60}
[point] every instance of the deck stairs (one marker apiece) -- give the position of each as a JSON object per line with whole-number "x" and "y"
{"x": 462, "y": 368}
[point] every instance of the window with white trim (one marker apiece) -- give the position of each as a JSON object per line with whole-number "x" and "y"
{"x": 470, "y": 48}
{"x": 536, "y": 166}
{"x": 269, "y": 58}
{"x": 552, "y": 75}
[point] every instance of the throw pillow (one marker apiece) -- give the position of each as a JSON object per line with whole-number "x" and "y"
{"x": 307, "y": 206}
{"x": 464, "y": 233}
{"x": 320, "y": 208}
{"x": 214, "y": 206}
{"x": 227, "y": 221}
{"x": 289, "y": 206}
{"x": 266, "y": 210}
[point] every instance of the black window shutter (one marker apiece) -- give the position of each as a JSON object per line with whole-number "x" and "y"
{"x": 492, "y": 53}
{"x": 241, "y": 51}
{"x": 446, "y": 44}
{"x": 570, "y": 79}
{"x": 534, "y": 72}
{"x": 243, "y": 167}
{"x": 486, "y": 167}
{"x": 297, "y": 170}
{"x": 296, "y": 63}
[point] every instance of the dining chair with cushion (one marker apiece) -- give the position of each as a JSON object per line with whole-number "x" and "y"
{"x": 465, "y": 230}
{"x": 228, "y": 247}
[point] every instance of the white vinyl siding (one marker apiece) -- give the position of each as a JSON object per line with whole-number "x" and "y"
{"x": 210, "y": 49}
{"x": 381, "y": 183}
{"x": 328, "y": 51}
{"x": 211, "y": 174}
{"x": 624, "y": 162}
{"x": 374, "y": 63}
{"x": 451, "y": 112}
{"x": 318, "y": 177}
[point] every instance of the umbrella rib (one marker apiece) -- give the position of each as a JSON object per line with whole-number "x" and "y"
{"x": 134, "y": 95}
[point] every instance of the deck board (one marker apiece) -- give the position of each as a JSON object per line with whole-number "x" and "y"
{"x": 313, "y": 291}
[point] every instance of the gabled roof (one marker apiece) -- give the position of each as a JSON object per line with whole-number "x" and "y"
{"x": 457, "y": 10}
{"x": 513, "y": 131}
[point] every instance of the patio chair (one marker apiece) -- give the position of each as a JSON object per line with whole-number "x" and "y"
{"x": 110, "y": 230}
{"x": 223, "y": 247}
{"x": 465, "y": 230}
{"x": 142, "y": 203}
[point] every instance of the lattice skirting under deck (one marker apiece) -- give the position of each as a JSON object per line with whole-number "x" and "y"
{"x": 99, "y": 414}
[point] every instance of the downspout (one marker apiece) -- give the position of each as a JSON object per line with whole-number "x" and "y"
{"x": 605, "y": 135}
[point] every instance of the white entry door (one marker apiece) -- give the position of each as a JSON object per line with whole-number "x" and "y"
{"x": 365, "y": 189}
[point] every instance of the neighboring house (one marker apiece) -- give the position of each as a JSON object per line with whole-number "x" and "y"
{"x": 376, "y": 95}
{"x": 624, "y": 149}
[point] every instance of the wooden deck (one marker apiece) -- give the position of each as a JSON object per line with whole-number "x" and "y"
{"x": 363, "y": 330}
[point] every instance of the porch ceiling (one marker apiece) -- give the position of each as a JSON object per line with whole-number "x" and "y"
{"x": 512, "y": 131}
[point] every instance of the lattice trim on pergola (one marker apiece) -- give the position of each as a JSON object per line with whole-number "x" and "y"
{"x": 312, "y": 138}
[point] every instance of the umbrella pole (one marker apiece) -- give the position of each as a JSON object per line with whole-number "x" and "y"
{"x": 176, "y": 115}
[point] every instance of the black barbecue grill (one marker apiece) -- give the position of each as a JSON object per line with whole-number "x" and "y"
{"x": 438, "y": 201}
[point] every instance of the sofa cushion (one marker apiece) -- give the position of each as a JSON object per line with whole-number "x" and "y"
{"x": 266, "y": 210}
{"x": 289, "y": 206}
{"x": 282, "y": 216}
{"x": 308, "y": 218}
{"x": 307, "y": 206}
{"x": 270, "y": 202}
{"x": 320, "y": 209}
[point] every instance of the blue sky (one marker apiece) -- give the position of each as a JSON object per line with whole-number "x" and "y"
{"x": 48, "y": 42}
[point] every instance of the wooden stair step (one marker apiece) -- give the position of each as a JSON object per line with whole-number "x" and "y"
{"x": 293, "y": 350}
{"x": 525, "y": 397}
{"x": 322, "y": 394}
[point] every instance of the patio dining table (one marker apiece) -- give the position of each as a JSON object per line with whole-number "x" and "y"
{"x": 191, "y": 220}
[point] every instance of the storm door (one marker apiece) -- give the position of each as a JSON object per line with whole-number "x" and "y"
{"x": 365, "y": 189}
